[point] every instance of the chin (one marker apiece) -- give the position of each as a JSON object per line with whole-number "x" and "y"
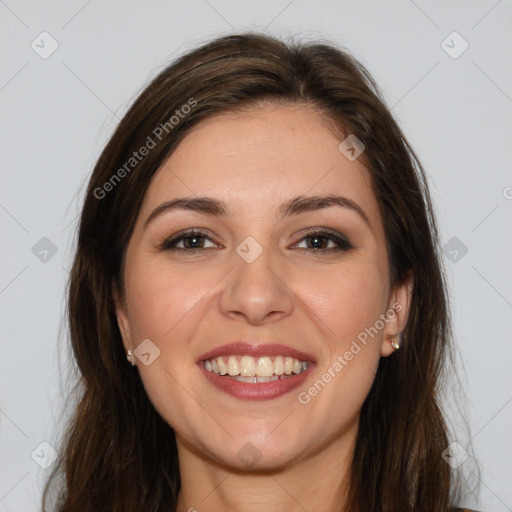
{"x": 260, "y": 452}
{"x": 250, "y": 459}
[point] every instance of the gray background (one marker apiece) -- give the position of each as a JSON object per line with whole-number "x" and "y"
{"x": 57, "y": 112}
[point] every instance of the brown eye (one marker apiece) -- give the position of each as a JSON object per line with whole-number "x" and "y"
{"x": 193, "y": 240}
{"x": 318, "y": 241}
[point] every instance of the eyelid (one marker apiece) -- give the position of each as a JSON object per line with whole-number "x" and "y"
{"x": 319, "y": 230}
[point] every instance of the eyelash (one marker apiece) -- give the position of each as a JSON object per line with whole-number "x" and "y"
{"x": 169, "y": 244}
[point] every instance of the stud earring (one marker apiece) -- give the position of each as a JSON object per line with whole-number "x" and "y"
{"x": 392, "y": 340}
{"x": 128, "y": 357}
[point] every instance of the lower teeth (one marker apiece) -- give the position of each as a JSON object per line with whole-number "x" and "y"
{"x": 254, "y": 380}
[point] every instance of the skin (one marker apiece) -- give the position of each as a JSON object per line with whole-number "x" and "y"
{"x": 187, "y": 304}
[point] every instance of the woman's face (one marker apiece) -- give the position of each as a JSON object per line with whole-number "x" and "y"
{"x": 266, "y": 286}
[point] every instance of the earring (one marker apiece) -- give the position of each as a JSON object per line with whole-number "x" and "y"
{"x": 128, "y": 357}
{"x": 392, "y": 340}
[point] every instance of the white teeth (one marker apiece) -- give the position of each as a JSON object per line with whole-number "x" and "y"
{"x": 288, "y": 365}
{"x": 223, "y": 367}
{"x": 233, "y": 368}
{"x": 247, "y": 366}
{"x": 265, "y": 367}
{"x": 250, "y": 369}
{"x": 297, "y": 366}
{"x": 279, "y": 365}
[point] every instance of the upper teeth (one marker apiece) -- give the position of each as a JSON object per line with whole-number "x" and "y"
{"x": 247, "y": 366}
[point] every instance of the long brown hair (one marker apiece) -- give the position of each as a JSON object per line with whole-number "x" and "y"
{"x": 118, "y": 454}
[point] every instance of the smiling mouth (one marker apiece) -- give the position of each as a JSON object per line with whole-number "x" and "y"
{"x": 255, "y": 370}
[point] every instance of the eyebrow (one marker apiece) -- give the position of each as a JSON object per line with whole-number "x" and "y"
{"x": 297, "y": 205}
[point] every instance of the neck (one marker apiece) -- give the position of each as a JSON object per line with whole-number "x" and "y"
{"x": 317, "y": 482}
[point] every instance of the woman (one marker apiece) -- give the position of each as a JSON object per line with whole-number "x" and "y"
{"x": 257, "y": 240}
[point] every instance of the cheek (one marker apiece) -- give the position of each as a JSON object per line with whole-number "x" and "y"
{"x": 166, "y": 305}
{"x": 163, "y": 308}
{"x": 160, "y": 298}
{"x": 347, "y": 303}
{"x": 347, "y": 300}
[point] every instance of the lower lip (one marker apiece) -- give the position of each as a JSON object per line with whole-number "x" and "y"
{"x": 259, "y": 390}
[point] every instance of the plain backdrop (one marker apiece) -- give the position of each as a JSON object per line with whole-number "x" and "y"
{"x": 69, "y": 70}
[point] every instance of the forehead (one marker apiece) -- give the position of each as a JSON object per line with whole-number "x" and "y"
{"x": 258, "y": 159}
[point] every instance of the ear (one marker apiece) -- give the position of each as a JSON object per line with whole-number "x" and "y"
{"x": 122, "y": 318}
{"x": 397, "y": 313}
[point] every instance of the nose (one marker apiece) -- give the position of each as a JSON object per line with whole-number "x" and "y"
{"x": 257, "y": 291}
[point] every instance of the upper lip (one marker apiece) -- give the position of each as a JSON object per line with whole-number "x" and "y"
{"x": 255, "y": 350}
